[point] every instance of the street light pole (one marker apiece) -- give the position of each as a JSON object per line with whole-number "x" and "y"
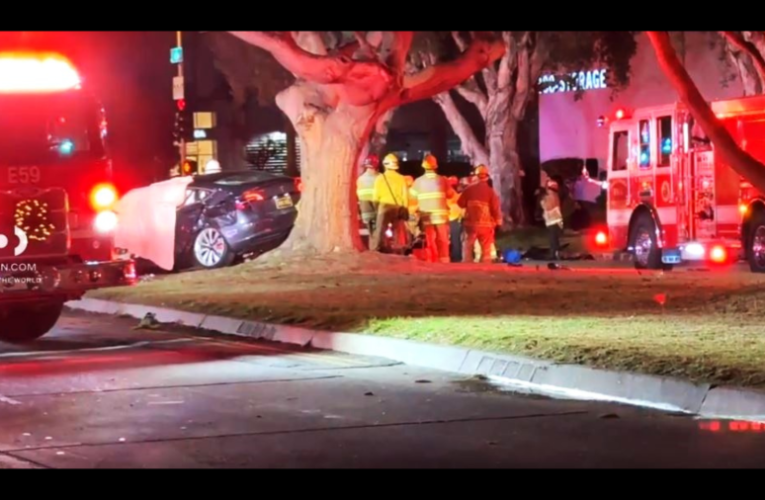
{"x": 182, "y": 140}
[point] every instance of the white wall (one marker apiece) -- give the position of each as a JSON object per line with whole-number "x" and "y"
{"x": 568, "y": 128}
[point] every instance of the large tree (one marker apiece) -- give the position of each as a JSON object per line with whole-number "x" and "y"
{"x": 502, "y": 92}
{"x": 341, "y": 91}
{"x": 725, "y": 145}
{"x": 745, "y": 51}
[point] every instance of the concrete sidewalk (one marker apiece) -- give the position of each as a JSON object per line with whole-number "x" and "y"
{"x": 529, "y": 375}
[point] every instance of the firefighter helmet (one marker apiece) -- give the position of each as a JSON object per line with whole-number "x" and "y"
{"x": 390, "y": 162}
{"x": 429, "y": 162}
{"x": 481, "y": 172}
{"x": 372, "y": 161}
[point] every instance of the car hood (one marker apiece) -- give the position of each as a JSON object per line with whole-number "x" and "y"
{"x": 146, "y": 226}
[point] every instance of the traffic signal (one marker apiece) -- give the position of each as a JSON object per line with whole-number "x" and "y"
{"x": 181, "y": 103}
{"x": 189, "y": 167}
{"x": 179, "y": 129}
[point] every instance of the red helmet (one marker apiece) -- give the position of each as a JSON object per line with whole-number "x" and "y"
{"x": 372, "y": 161}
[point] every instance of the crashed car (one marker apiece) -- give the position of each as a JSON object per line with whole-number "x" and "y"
{"x": 207, "y": 221}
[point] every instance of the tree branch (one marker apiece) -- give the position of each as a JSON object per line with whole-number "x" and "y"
{"x": 472, "y": 93}
{"x": 523, "y": 81}
{"x": 509, "y": 61}
{"x": 483, "y": 50}
{"x": 358, "y": 82}
{"x": 364, "y": 44}
{"x": 402, "y": 43}
{"x": 738, "y": 41}
{"x": 470, "y": 145}
{"x": 310, "y": 41}
{"x": 739, "y": 160}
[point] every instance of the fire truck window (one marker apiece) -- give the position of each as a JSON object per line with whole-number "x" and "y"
{"x": 645, "y": 144}
{"x": 665, "y": 140}
{"x": 47, "y": 129}
{"x": 620, "y": 151}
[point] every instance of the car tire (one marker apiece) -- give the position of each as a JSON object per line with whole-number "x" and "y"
{"x": 210, "y": 249}
{"x": 26, "y": 323}
{"x": 755, "y": 246}
{"x": 646, "y": 253}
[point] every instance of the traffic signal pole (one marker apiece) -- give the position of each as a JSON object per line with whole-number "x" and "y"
{"x": 182, "y": 140}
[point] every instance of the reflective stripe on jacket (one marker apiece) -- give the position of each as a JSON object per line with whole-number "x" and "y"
{"x": 431, "y": 191}
{"x": 365, "y": 185}
{"x": 551, "y": 206}
{"x": 396, "y": 194}
{"x": 481, "y": 206}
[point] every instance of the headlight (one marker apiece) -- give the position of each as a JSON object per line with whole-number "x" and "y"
{"x": 105, "y": 222}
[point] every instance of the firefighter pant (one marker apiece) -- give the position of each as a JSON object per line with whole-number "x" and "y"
{"x": 369, "y": 218}
{"x": 437, "y": 237}
{"x": 554, "y": 231}
{"x": 455, "y": 240}
{"x": 389, "y": 215}
{"x": 485, "y": 238}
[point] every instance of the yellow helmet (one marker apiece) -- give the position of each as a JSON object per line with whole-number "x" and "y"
{"x": 390, "y": 162}
{"x": 430, "y": 162}
{"x": 481, "y": 171}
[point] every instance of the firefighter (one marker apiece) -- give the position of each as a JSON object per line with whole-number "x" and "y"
{"x": 432, "y": 191}
{"x": 455, "y": 222}
{"x": 550, "y": 202}
{"x": 391, "y": 196}
{"x": 413, "y": 223}
{"x": 365, "y": 189}
{"x": 482, "y": 216}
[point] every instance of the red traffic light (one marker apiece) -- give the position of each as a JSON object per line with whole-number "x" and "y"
{"x": 181, "y": 104}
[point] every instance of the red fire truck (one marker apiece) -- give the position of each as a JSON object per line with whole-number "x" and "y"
{"x": 672, "y": 200}
{"x": 56, "y": 198}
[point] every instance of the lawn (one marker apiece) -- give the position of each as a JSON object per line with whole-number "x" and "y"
{"x": 709, "y": 328}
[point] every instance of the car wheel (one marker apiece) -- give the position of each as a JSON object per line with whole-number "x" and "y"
{"x": 645, "y": 251}
{"x": 211, "y": 251}
{"x": 756, "y": 247}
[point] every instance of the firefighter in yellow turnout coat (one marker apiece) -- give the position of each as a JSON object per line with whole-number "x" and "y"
{"x": 392, "y": 198}
{"x": 432, "y": 191}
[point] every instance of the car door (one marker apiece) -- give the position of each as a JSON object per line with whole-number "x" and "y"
{"x": 188, "y": 217}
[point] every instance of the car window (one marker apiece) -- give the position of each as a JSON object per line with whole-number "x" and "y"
{"x": 195, "y": 195}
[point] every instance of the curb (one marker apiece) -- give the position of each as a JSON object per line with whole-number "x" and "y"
{"x": 541, "y": 377}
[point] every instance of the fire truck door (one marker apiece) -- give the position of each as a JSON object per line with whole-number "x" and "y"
{"x": 682, "y": 166}
{"x": 703, "y": 211}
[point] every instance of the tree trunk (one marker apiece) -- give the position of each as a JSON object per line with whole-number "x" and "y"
{"x": 331, "y": 141}
{"x": 725, "y": 146}
{"x": 747, "y": 71}
{"x": 292, "y": 166}
{"x": 378, "y": 140}
{"x": 469, "y": 143}
{"x": 505, "y": 164}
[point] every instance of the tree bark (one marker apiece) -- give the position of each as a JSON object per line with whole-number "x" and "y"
{"x": 331, "y": 141}
{"x": 470, "y": 145}
{"x": 378, "y": 140}
{"x": 502, "y": 137}
{"x": 725, "y": 146}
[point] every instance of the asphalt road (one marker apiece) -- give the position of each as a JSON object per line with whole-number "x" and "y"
{"x": 98, "y": 394}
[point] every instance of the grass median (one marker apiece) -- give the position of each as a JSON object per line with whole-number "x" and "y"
{"x": 703, "y": 326}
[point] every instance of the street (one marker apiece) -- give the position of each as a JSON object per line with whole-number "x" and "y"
{"x": 98, "y": 393}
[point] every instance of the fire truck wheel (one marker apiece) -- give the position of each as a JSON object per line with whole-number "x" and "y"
{"x": 646, "y": 253}
{"x": 25, "y": 323}
{"x": 211, "y": 250}
{"x": 756, "y": 244}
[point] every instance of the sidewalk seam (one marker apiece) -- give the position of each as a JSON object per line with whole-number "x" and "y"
{"x": 544, "y": 377}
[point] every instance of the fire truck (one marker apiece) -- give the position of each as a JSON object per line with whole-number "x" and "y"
{"x": 56, "y": 195}
{"x": 672, "y": 200}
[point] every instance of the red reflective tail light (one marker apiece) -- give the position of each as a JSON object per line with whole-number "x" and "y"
{"x": 299, "y": 184}
{"x": 253, "y": 195}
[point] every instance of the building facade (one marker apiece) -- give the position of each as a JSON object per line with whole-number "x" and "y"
{"x": 577, "y": 128}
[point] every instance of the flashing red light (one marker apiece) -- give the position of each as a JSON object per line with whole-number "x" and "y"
{"x": 103, "y": 196}
{"x": 181, "y": 103}
{"x": 601, "y": 239}
{"x": 718, "y": 254}
{"x": 36, "y": 72}
{"x": 299, "y": 184}
{"x": 619, "y": 114}
{"x": 187, "y": 168}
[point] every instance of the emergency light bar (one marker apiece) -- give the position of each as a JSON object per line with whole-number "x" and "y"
{"x": 30, "y": 73}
